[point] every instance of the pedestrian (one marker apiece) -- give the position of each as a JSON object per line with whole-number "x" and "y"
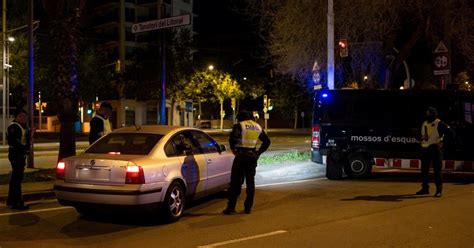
{"x": 243, "y": 142}
{"x": 18, "y": 147}
{"x": 433, "y": 131}
{"x": 100, "y": 124}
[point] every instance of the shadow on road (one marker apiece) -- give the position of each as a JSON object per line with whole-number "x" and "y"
{"x": 455, "y": 178}
{"x": 386, "y": 198}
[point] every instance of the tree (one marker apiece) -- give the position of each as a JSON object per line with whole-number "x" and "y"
{"x": 213, "y": 85}
{"x": 294, "y": 33}
{"x": 64, "y": 32}
{"x": 224, "y": 87}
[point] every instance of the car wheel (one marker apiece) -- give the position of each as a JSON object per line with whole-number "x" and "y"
{"x": 173, "y": 205}
{"x": 84, "y": 211}
{"x": 358, "y": 165}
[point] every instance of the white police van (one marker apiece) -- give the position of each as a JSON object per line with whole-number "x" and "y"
{"x": 364, "y": 128}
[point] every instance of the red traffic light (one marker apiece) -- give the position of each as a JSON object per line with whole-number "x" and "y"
{"x": 343, "y": 43}
{"x": 343, "y": 48}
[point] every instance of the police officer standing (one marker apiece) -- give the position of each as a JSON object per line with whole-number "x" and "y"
{"x": 100, "y": 124}
{"x": 433, "y": 130}
{"x": 17, "y": 151}
{"x": 243, "y": 141}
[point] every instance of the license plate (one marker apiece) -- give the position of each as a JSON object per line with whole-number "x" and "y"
{"x": 94, "y": 174}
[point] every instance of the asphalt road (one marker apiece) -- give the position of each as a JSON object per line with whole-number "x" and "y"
{"x": 305, "y": 211}
{"x": 280, "y": 142}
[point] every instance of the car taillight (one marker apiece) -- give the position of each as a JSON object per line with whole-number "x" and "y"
{"x": 60, "y": 170}
{"x": 315, "y": 136}
{"x": 135, "y": 175}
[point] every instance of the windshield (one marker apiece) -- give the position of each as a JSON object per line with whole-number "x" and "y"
{"x": 125, "y": 143}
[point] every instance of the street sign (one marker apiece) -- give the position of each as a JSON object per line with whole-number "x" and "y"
{"x": 441, "y": 60}
{"x": 169, "y": 22}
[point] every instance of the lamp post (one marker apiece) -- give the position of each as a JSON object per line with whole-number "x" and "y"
{"x": 4, "y": 58}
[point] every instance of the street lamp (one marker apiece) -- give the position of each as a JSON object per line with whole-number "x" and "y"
{"x": 210, "y": 67}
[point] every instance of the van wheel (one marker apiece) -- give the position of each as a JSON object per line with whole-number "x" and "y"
{"x": 173, "y": 206}
{"x": 358, "y": 166}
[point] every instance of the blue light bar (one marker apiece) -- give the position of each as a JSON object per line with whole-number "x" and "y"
{"x": 325, "y": 95}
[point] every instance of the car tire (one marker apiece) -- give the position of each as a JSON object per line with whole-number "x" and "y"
{"x": 358, "y": 165}
{"x": 84, "y": 211}
{"x": 173, "y": 205}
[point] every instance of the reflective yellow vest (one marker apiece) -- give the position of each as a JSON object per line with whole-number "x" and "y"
{"x": 250, "y": 132}
{"x": 431, "y": 130}
{"x": 107, "y": 128}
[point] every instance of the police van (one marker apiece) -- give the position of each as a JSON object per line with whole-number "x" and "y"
{"x": 354, "y": 130}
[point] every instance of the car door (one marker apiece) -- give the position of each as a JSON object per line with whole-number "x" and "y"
{"x": 219, "y": 164}
{"x": 192, "y": 162}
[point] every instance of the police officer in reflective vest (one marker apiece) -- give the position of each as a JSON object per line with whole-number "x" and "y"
{"x": 433, "y": 130}
{"x": 243, "y": 141}
{"x": 100, "y": 124}
{"x": 18, "y": 146}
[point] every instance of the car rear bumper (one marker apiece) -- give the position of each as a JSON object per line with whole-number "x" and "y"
{"x": 127, "y": 194}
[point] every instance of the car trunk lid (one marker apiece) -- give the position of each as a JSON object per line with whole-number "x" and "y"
{"x": 98, "y": 169}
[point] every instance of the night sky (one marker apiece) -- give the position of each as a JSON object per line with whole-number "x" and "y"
{"x": 224, "y": 37}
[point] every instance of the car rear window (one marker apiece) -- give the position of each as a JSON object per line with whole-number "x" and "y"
{"x": 125, "y": 143}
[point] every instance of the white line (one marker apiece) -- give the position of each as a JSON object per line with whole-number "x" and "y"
{"x": 292, "y": 182}
{"x": 34, "y": 211}
{"x": 243, "y": 239}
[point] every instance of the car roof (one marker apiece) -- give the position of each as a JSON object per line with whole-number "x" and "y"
{"x": 152, "y": 129}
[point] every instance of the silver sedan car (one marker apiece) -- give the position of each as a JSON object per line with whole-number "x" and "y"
{"x": 158, "y": 168}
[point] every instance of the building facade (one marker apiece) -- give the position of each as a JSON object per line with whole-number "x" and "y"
{"x": 110, "y": 23}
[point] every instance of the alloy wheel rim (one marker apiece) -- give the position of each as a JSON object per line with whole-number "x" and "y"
{"x": 176, "y": 201}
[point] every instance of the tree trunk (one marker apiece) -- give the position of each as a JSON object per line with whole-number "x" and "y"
{"x": 404, "y": 53}
{"x": 222, "y": 114}
{"x": 64, "y": 33}
{"x": 296, "y": 119}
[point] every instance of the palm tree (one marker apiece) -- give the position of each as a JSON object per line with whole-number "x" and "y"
{"x": 64, "y": 32}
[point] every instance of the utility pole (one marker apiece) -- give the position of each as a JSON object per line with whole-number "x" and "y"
{"x": 31, "y": 81}
{"x": 161, "y": 14}
{"x": 4, "y": 58}
{"x": 330, "y": 69}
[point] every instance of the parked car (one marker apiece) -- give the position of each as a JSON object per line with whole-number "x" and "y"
{"x": 156, "y": 168}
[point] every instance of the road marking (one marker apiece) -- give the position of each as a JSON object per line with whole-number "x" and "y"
{"x": 292, "y": 182}
{"x": 35, "y": 211}
{"x": 242, "y": 239}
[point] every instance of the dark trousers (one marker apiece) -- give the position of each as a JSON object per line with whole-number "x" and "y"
{"x": 431, "y": 155}
{"x": 17, "y": 161}
{"x": 244, "y": 167}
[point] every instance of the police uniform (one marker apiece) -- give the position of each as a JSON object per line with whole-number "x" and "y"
{"x": 433, "y": 133}
{"x": 100, "y": 126}
{"x": 243, "y": 141}
{"x": 17, "y": 151}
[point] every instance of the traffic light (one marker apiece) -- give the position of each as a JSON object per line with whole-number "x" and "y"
{"x": 343, "y": 48}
